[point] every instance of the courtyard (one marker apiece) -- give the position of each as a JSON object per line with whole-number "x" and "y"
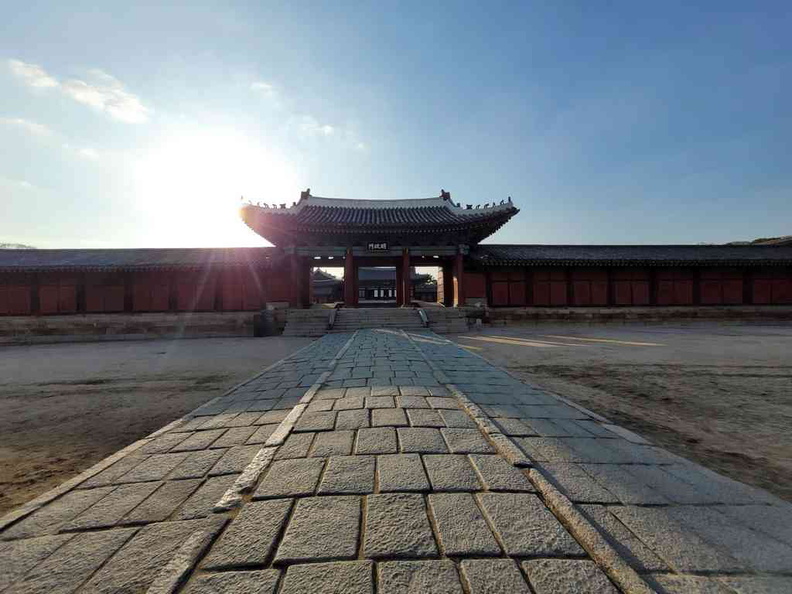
{"x": 719, "y": 394}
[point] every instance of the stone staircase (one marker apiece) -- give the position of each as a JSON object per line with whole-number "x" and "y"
{"x": 447, "y": 320}
{"x": 307, "y": 322}
{"x": 397, "y": 318}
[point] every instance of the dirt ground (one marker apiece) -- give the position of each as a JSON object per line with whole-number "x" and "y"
{"x": 64, "y": 407}
{"x": 718, "y": 394}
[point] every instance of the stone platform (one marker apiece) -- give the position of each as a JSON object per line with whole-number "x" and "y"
{"x": 383, "y": 461}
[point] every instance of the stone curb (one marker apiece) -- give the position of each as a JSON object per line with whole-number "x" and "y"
{"x": 34, "y": 504}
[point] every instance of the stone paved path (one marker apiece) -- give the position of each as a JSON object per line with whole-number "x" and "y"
{"x": 392, "y": 462}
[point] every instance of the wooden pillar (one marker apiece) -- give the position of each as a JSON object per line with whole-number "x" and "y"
{"x": 305, "y": 284}
{"x": 173, "y": 291}
{"x": 448, "y": 284}
{"x": 406, "y": 277}
{"x": 747, "y": 284}
{"x": 570, "y": 287}
{"x": 129, "y": 292}
{"x": 35, "y": 299}
{"x": 697, "y": 286}
{"x": 610, "y": 299}
{"x": 459, "y": 275}
{"x": 529, "y": 292}
{"x": 488, "y": 287}
{"x": 350, "y": 280}
{"x": 295, "y": 296}
{"x": 399, "y": 287}
{"x": 81, "y": 293}
{"x": 653, "y": 286}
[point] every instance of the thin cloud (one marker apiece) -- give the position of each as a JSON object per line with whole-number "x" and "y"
{"x": 108, "y": 94}
{"x": 262, "y": 87}
{"x": 32, "y": 74}
{"x": 310, "y": 126}
{"x": 26, "y": 125}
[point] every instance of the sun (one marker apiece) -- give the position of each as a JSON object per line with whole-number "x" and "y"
{"x": 188, "y": 186}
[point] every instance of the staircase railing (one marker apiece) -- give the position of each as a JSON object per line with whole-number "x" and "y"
{"x": 424, "y": 318}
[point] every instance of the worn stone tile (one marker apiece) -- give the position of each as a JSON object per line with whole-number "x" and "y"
{"x": 272, "y": 416}
{"x": 425, "y": 417}
{"x": 295, "y": 446}
{"x": 493, "y": 576}
{"x": 443, "y": 402}
{"x": 133, "y": 568}
{"x": 626, "y": 487}
{"x": 451, "y": 472}
{"x": 319, "y": 406}
{"x": 466, "y": 441}
{"x": 567, "y": 576}
{"x": 263, "y": 581}
{"x": 576, "y": 483}
{"x": 196, "y": 465}
{"x": 349, "y": 403}
{"x": 319, "y": 421}
{"x": 348, "y": 475}
{"x": 352, "y": 419}
{"x": 525, "y": 526}
{"x": 154, "y": 468}
{"x": 409, "y": 391}
{"x": 630, "y": 548}
{"x": 234, "y": 460}
{"x": 771, "y": 520}
{"x": 262, "y": 433}
{"x": 290, "y": 478}
{"x": 421, "y": 440}
{"x": 72, "y": 563}
{"x": 384, "y": 391}
{"x": 48, "y": 519}
{"x": 250, "y": 538}
{"x": 463, "y": 532}
{"x": 758, "y": 584}
{"x": 234, "y": 437}
{"x": 163, "y": 443}
{"x": 457, "y": 419}
{"x": 110, "y": 509}
{"x": 397, "y": 526}
{"x": 437, "y": 577}
{"x": 685, "y": 584}
{"x": 162, "y": 503}
{"x": 378, "y": 440}
{"x": 330, "y": 393}
{"x": 20, "y": 556}
{"x": 341, "y": 577}
{"x": 218, "y": 421}
{"x": 200, "y": 503}
{"x": 411, "y": 401}
{"x": 392, "y": 417}
{"x": 322, "y": 528}
{"x": 332, "y": 443}
{"x": 380, "y": 402}
{"x": 498, "y": 475}
{"x": 401, "y": 472}
{"x": 111, "y": 474}
{"x": 200, "y": 440}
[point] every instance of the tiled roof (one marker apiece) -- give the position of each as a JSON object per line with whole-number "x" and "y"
{"x": 625, "y": 255}
{"x": 342, "y": 216}
{"x": 130, "y": 259}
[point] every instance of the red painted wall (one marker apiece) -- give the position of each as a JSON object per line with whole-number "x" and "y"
{"x": 104, "y": 292}
{"x": 58, "y": 293}
{"x": 630, "y": 286}
{"x": 675, "y": 286}
{"x": 549, "y": 286}
{"x": 772, "y": 286}
{"x": 15, "y": 294}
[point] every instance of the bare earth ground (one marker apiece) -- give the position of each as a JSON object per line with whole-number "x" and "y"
{"x": 64, "y": 407}
{"x": 715, "y": 393}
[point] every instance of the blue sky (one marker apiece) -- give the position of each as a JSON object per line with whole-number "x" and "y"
{"x": 138, "y": 125}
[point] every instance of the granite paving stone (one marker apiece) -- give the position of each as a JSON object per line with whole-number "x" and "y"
{"x": 70, "y": 565}
{"x": 162, "y": 503}
{"x": 462, "y": 530}
{"x": 163, "y": 443}
{"x": 401, "y": 472}
{"x": 135, "y": 566}
{"x": 112, "y": 473}
{"x": 498, "y": 475}
{"x": 525, "y": 526}
{"x": 466, "y": 441}
{"x": 235, "y": 436}
{"x": 349, "y": 403}
{"x": 377, "y": 440}
{"x": 250, "y": 538}
{"x": 110, "y": 509}
{"x": 451, "y": 472}
{"x": 567, "y": 576}
{"x": 332, "y": 443}
{"x": 437, "y": 577}
{"x": 421, "y": 440}
{"x": 200, "y": 440}
{"x": 272, "y": 416}
{"x": 20, "y": 556}
{"x": 295, "y": 446}
{"x": 321, "y": 529}
{"x": 319, "y": 406}
{"x": 319, "y": 421}
{"x": 411, "y": 401}
{"x": 391, "y": 417}
{"x": 234, "y": 460}
{"x": 196, "y": 464}
{"x": 200, "y": 503}
{"x": 397, "y": 526}
{"x": 341, "y": 577}
{"x": 352, "y": 419}
{"x": 264, "y": 581}
{"x": 384, "y": 391}
{"x": 290, "y": 478}
{"x": 577, "y": 484}
{"x": 424, "y": 417}
{"x": 493, "y": 576}
{"x": 348, "y": 475}
{"x": 50, "y": 518}
{"x": 261, "y": 434}
{"x": 686, "y": 584}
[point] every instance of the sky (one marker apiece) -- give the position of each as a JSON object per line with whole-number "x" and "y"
{"x": 134, "y": 124}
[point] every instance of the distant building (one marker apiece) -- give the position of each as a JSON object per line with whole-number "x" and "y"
{"x": 375, "y": 286}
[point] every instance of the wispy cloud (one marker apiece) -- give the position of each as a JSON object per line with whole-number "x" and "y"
{"x": 32, "y": 74}
{"x": 264, "y": 88}
{"x": 310, "y": 126}
{"x": 100, "y": 91}
{"x": 26, "y": 125}
{"x": 106, "y": 93}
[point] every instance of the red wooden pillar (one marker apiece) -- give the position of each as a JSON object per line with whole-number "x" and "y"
{"x": 295, "y": 296}
{"x": 406, "y": 277}
{"x": 350, "y": 284}
{"x": 448, "y": 284}
{"x": 399, "y": 287}
{"x": 459, "y": 274}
